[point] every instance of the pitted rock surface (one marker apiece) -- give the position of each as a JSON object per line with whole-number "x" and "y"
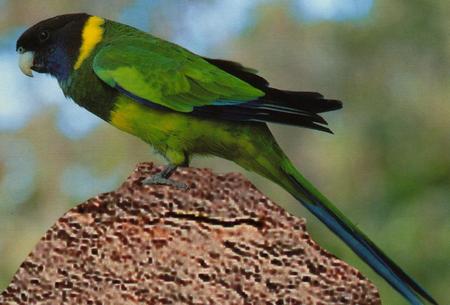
{"x": 220, "y": 242}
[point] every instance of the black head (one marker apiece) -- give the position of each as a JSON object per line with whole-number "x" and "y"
{"x": 51, "y": 46}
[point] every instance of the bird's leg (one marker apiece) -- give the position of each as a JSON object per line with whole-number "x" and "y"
{"x": 162, "y": 178}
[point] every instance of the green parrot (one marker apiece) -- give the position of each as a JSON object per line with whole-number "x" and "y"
{"x": 183, "y": 105}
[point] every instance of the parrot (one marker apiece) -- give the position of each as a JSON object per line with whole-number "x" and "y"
{"x": 185, "y": 105}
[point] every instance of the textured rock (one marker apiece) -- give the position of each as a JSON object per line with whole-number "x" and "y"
{"x": 221, "y": 242}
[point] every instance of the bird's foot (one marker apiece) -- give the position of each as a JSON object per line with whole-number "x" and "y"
{"x": 158, "y": 179}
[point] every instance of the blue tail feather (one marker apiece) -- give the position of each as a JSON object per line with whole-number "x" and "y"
{"x": 358, "y": 242}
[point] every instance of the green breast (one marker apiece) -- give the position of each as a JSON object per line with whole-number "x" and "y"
{"x": 88, "y": 91}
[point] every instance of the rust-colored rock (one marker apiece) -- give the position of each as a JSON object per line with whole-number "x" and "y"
{"x": 221, "y": 242}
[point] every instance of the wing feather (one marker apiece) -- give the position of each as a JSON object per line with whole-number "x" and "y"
{"x": 179, "y": 82}
{"x": 162, "y": 75}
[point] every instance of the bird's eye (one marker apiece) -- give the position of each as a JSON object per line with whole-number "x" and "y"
{"x": 44, "y": 35}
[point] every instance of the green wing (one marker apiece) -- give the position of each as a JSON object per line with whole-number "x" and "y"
{"x": 162, "y": 73}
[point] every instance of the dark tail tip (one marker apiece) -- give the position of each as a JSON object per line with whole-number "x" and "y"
{"x": 302, "y": 100}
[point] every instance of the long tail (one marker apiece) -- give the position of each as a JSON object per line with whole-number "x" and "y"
{"x": 323, "y": 209}
{"x": 302, "y": 109}
{"x": 276, "y": 166}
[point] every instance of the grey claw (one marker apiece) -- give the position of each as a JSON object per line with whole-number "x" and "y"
{"x": 158, "y": 180}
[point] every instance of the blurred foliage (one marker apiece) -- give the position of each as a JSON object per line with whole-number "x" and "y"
{"x": 387, "y": 166}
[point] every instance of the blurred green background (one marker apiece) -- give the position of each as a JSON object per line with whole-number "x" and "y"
{"x": 387, "y": 166}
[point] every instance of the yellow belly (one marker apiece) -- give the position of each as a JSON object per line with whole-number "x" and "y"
{"x": 178, "y": 136}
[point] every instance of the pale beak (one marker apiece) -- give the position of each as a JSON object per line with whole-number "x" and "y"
{"x": 26, "y": 62}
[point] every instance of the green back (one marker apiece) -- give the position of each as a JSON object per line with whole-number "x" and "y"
{"x": 163, "y": 73}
